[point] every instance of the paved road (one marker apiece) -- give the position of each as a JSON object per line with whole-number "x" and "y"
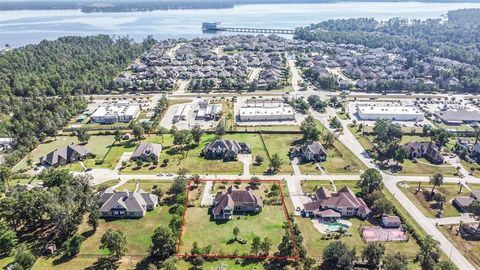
{"x": 296, "y": 78}
{"x": 390, "y": 182}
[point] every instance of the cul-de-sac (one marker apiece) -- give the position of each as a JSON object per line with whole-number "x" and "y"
{"x": 343, "y": 144}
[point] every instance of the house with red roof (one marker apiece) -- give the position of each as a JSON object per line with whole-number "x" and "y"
{"x": 329, "y": 207}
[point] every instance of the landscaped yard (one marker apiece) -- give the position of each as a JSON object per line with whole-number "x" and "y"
{"x": 205, "y": 231}
{"x": 469, "y": 249}
{"x": 315, "y": 245}
{"x": 429, "y": 208}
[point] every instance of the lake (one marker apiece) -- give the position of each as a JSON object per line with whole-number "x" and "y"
{"x": 18, "y": 28}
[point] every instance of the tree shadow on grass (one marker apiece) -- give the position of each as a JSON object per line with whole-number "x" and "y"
{"x": 104, "y": 263}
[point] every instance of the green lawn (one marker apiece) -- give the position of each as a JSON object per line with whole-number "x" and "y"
{"x": 146, "y": 185}
{"x": 256, "y": 147}
{"x": 190, "y": 160}
{"x": 200, "y": 228}
{"x": 424, "y": 167}
{"x": 137, "y": 231}
{"x": 280, "y": 144}
{"x": 469, "y": 166}
{"x": 340, "y": 160}
{"x": 429, "y": 208}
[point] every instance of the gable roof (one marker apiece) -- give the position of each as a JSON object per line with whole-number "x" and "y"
{"x": 231, "y": 197}
{"x": 343, "y": 198}
{"x": 147, "y": 149}
{"x": 129, "y": 201}
{"x": 222, "y": 146}
{"x": 65, "y": 153}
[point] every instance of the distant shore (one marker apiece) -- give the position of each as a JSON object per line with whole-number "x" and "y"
{"x": 90, "y": 6}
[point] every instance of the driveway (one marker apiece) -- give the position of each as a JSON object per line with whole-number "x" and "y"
{"x": 246, "y": 159}
{"x": 207, "y": 198}
{"x": 296, "y": 169}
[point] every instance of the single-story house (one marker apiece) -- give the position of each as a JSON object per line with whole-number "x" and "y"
{"x": 427, "y": 150}
{"x": 344, "y": 202}
{"x": 225, "y": 149}
{"x": 124, "y": 204}
{"x": 391, "y": 222}
{"x": 233, "y": 200}
{"x": 464, "y": 202}
{"x": 65, "y": 155}
{"x": 309, "y": 152}
{"x": 147, "y": 152}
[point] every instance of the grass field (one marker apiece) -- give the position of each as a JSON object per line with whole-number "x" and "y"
{"x": 280, "y": 144}
{"x": 429, "y": 208}
{"x": 201, "y": 228}
{"x": 424, "y": 167}
{"x": 146, "y": 185}
{"x": 469, "y": 166}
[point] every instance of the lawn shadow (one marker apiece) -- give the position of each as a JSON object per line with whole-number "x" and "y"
{"x": 104, "y": 263}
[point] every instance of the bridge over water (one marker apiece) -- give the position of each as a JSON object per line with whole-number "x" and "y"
{"x": 216, "y": 26}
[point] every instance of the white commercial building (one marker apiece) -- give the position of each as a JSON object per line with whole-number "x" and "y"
{"x": 205, "y": 111}
{"x": 285, "y": 113}
{"x": 395, "y": 113}
{"x": 114, "y": 113}
{"x": 181, "y": 113}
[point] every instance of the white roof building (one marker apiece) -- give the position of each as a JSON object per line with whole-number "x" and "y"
{"x": 285, "y": 113}
{"x": 395, "y": 113}
{"x": 119, "y": 112}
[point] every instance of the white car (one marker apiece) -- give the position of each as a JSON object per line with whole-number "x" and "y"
{"x": 169, "y": 174}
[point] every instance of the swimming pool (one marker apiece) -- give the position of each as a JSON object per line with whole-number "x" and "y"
{"x": 335, "y": 227}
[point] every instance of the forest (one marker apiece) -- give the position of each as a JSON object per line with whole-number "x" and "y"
{"x": 41, "y": 86}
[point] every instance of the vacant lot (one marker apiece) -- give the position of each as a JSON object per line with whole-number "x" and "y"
{"x": 200, "y": 227}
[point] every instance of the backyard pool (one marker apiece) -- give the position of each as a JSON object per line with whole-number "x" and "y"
{"x": 335, "y": 227}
